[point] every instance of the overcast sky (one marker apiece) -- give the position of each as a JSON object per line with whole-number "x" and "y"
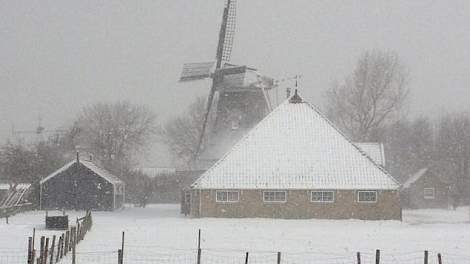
{"x": 57, "y": 56}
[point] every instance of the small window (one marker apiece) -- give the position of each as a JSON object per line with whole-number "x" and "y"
{"x": 367, "y": 196}
{"x": 429, "y": 193}
{"x": 227, "y": 196}
{"x": 323, "y": 196}
{"x": 275, "y": 196}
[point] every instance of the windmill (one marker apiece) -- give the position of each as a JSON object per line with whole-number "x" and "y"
{"x": 238, "y": 98}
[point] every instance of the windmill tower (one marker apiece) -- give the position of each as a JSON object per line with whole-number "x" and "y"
{"x": 239, "y": 96}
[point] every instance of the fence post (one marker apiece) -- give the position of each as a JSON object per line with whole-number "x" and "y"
{"x": 199, "y": 252}
{"x": 73, "y": 245}
{"x": 426, "y": 257}
{"x": 58, "y": 249}
{"x": 278, "y": 257}
{"x": 377, "y": 256}
{"x": 46, "y": 252}
{"x": 30, "y": 253}
{"x": 66, "y": 244}
{"x": 439, "y": 258}
{"x": 41, "y": 250}
{"x": 246, "y": 258}
{"x": 52, "y": 250}
{"x": 199, "y": 239}
{"x": 122, "y": 247}
{"x": 119, "y": 256}
{"x": 358, "y": 254}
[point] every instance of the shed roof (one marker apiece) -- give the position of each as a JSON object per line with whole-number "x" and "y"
{"x": 103, "y": 173}
{"x": 295, "y": 147}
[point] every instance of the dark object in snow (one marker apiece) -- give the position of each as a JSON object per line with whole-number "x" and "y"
{"x": 57, "y": 222}
{"x": 81, "y": 185}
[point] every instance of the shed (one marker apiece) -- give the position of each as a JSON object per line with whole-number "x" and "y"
{"x": 425, "y": 189}
{"x": 81, "y": 185}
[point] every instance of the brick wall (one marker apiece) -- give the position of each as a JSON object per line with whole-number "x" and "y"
{"x": 297, "y": 206}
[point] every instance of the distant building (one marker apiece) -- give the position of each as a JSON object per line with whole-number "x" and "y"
{"x": 425, "y": 189}
{"x": 295, "y": 164}
{"x": 81, "y": 184}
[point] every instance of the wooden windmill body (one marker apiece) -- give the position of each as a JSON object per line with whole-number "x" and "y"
{"x": 239, "y": 97}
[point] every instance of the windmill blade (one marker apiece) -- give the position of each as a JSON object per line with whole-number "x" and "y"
{"x": 196, "y": 71}
{"x": 227, "y": 33}
{"x": 230, "y": 30}
{"x": 224, "y": 50}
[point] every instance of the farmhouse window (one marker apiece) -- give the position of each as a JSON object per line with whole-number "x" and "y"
{"x": 323, "y": 196}
{"x": 367, "y": 196}
{"x": 275, "y": 196}
{"x": 227, "y": 196}
{"x": 429, "y": 193}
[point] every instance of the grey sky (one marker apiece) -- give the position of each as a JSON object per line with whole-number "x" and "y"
{"x": 57, "y": 56}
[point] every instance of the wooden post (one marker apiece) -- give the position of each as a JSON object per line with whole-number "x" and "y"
{"x": 67, "y": 242}
{"x": 122, "y": 247}
{"x": 74, "y": 250}
{"x": 62, "y": 246}
{"x": 439, "y": 258}
{"x": 46, "y": 252}
{"x": 199, "y": 252}
{"x": 52, "y": 250}
{"x": 426, "y": 253}
{"x": 278, "y": 257}
{"x": 41, "y": 250}
{"x": 34, "y": 249}
{"x": 30, "y": 250}
{"x": 119, "y": 256}
{"x": 199, "y": 239}
{"x": 358, "y": 257}
{"x": 58, "y": 249}
{"x": 377, "y": 256}
{"x": 246, "y": 258}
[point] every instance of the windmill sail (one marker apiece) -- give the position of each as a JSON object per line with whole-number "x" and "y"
{"x": 196, "y": 71}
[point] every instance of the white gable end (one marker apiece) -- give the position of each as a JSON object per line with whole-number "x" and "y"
{"x": 295, "y": 147}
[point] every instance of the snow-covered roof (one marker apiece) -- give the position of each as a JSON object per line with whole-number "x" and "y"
{"x": 295, "y": 147}
{"x": 374, "y": 150}
{"x": 6, "y": 186}
{"x": 106, "y": 175}
{"x": 413, "y": 178}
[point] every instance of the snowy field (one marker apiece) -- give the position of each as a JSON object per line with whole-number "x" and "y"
{"x": 159, "y": 234}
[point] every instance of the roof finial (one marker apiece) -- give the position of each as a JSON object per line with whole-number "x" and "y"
{"x": 295, "y": 99}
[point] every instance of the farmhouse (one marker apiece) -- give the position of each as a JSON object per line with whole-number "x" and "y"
{"x": 425, "y": 189}
{"x": 81, "y": 184}
{"x": 295, "y": 164}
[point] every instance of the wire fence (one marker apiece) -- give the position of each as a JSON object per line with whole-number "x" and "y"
{"x": 154, "y": 255}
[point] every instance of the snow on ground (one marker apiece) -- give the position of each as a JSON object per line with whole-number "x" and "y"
{"x": 160, "y": 234}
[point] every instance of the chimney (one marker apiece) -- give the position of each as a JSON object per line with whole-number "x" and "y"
{"x": 78, "y": 157}
{"x": 288, "y": 92}
{"x": 91, "y": 157}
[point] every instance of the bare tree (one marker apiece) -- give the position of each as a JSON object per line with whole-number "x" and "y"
{"x": 453, "y": 153}
{"x": 371, "y": 97}
{"x": 409, "y": 147}
{"x": 115, "y": 132}
{"x": 182, "y": 133}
